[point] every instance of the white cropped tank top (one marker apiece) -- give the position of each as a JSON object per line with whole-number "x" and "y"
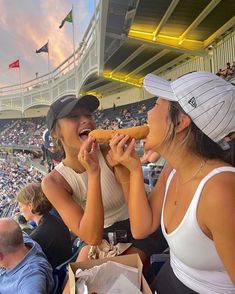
{"x": 193, "y": 255}
{"x": 115, "y": 207}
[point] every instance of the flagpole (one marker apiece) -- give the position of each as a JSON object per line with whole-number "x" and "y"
{"x": 70, "y": 18}
{"x": 48, "y": 60}
{"x": 74, "y": 57}
{"x": 95, "y": 15}
{"x": 73, "y": 36}
{"x": 49, "y": 69}
{"x": 21, "y": 94}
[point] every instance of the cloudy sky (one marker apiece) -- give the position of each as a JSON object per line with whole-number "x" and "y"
{"x": 26, "y": 25}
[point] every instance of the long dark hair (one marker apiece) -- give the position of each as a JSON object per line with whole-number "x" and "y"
{"x": 198, "y": 142}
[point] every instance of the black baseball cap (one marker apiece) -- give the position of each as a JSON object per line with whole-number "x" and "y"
{"x": 65, "y": 104}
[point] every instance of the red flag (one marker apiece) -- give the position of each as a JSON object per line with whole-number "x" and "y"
{"x": 14, "y": 64}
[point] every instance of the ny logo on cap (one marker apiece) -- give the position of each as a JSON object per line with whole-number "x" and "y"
{"x": 193, "y": 102}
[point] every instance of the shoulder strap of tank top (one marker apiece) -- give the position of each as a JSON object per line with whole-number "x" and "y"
{"x": 214, "y": 172}
{"x": 59, "y": 166}
{"x": 171, "y": 175}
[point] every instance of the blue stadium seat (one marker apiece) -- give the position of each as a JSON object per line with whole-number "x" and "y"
{"x": 56, "y": 285}
{"x": 61, "y": 270}
{"x": 156, "y": 262}
{"x": 76, "y": 243}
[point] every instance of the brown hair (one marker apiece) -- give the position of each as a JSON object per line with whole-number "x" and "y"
{"x": 196, "y": 140}
{"x": 57, "y": 141}
{"x": 33, "y": 194}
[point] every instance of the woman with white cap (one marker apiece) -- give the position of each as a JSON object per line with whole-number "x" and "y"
{"x": 194, "y": 198}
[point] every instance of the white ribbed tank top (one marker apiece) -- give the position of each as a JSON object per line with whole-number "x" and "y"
{"x": 115, "y": 207}
{"x": 194, "y": 258}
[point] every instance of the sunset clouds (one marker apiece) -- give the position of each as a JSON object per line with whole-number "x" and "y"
{"x": 28, "y": 24}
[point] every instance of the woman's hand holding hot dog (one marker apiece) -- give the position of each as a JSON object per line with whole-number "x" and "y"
{"x": 123, "y": 151}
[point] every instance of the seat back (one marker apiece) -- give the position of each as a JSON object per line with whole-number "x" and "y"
{"x": 61, "y": 270}
{"x": 56, "y": 284}
{"x": 156, "y": 262}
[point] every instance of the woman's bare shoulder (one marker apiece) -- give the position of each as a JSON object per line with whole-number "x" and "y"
{"x": 55, "y": 180}
{"x": 53, "y": 177}
{"x": 220, "y": 189}
{"x": 217, "y": 202}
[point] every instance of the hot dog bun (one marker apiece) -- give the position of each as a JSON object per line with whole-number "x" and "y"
{"x": 103, "y": 136}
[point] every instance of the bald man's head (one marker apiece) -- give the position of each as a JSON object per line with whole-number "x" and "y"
{"x": 11, "y": 237}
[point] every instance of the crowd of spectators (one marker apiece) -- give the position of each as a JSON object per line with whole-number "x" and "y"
{"x": 13, "y": 176}
{"x": 24, "y": 132}
{"x": 6, "y": 123}
{"x": 123, "y": 116}
{"x": 30, "y": 131}
{"x": 228, "y": 72}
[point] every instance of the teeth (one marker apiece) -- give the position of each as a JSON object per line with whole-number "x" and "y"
{"x": 87, "y": 131}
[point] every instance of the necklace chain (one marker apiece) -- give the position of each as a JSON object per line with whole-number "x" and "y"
{"x": 188, "y": 180}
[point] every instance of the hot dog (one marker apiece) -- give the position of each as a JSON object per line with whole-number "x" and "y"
{"x": 103, "y": 136}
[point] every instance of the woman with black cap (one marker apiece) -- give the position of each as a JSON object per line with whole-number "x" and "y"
{"x": 83, "y": 187}
{"x": 194, "y": 198}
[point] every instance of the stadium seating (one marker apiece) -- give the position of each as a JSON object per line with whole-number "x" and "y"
{"x": 56, "y": 285}
{"x": 13, "y": 176}
{"x": 156, "y": 263}
{"x": 61, "y": 270}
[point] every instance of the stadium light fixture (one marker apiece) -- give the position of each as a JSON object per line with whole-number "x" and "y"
{"x": 123, "y": 80}
{"x": 180, "y": 41}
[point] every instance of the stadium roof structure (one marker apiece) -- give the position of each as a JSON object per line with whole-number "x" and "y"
{"x": 143, "y": 36}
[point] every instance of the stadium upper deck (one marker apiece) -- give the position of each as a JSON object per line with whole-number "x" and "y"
{"x": 129, "y": 39}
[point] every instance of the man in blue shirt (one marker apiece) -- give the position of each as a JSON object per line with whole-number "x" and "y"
{"x": 24, "y": 268}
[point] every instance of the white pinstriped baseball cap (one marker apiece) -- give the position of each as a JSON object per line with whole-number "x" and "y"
{"x": 208, "y": 99}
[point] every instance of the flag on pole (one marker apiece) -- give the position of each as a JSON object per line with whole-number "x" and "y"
{"x": 68, "y": 18}
{"x": 44, "y": 48}
{"x": 14, "y": 64}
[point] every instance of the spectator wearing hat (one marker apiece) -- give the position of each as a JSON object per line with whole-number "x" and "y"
{"x": 50, "y": 152}
{"x": 24, "y": 268}
{"x": 51, "y": 233}
{"x": 193, "y": 199}
{"x": 84, "y": 188}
